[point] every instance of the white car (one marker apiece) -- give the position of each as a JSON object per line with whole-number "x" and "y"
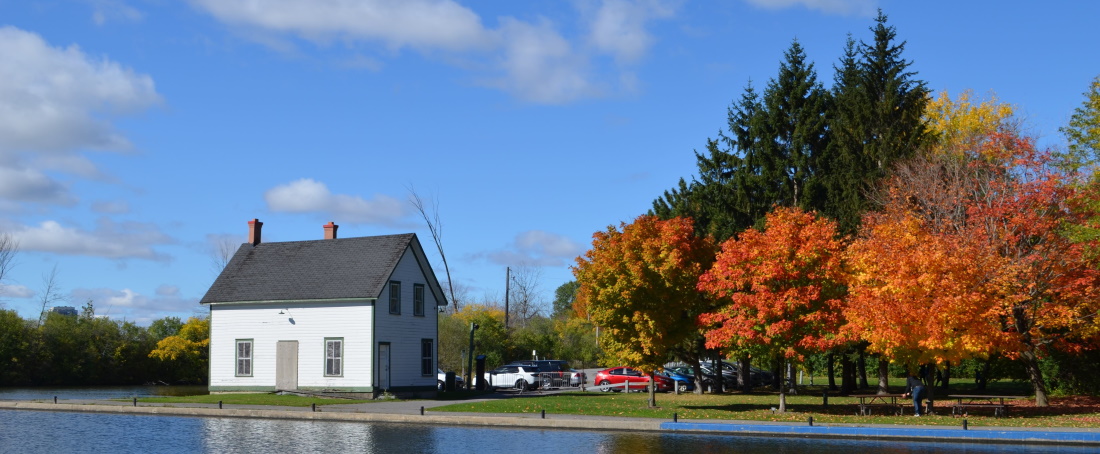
{"x": 518, "y": 377}
{"x": 442, "y": 376}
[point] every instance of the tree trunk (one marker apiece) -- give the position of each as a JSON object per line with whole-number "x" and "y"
{"x": 983, "y": 375}
{"x": 847, "y": 375}
{"x": 883, "y": 376}
{"x": 862, "y": 364}
{"x": 829, "y": 366}
{"x": 782, "y": 394}
{"x": 791, "y": 378}
{"x": 1031, "y": 364}
{"x": 946, "y": 382}
{"x": 745, "y": 374}
{"x": 653, "y": 389}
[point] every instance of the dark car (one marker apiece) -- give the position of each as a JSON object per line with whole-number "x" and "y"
{"x": 684, "y": 383}
{"x": 630, "y": 375}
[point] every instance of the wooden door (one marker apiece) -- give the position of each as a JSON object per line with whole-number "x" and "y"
{"x": 384, "y": 366}
{"x": 286, "y": 365}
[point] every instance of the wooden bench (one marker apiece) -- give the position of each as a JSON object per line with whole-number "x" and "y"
{"x": 977, "y": 401}
{"x": 869, "y": 402}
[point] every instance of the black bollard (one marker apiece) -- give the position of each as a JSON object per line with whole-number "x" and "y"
{"x": 811, "y": 421}
{"x": 421, "y": 411}
{"x": 135, "y": 401}
{"x": 825, "y": 398}
{"x": 964, "y": 425}
{"x": 313, "y": 407}
{"x": 674, "y": 417}
{"x": 544, "y": 414}
{"x": 55, "y": 399}
{"x": 219, "y": 405}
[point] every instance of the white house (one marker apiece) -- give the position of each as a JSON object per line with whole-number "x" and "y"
{"x": 351, "y": 315}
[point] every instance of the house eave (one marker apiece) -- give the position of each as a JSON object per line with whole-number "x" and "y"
{"x": 327, "y": 300}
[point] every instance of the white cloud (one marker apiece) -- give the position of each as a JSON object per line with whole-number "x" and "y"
{"x": 310, "y": 196}
{"x": 541, "y": 66}
{"x": 423, "y": 24}
{"x": 618, "y": 27}
{"x": 55, "y": 103}
{"x": 111, "y": 240}
{"x": 856, "y": 7}
{"x": 29, "y": 185}
{"x": 531, "y": 60}
{"x": 16, "y": 291}
{"x": 537, "y": 248}
{"x": 133, "y": 306}
{"x": 114, "y": 11}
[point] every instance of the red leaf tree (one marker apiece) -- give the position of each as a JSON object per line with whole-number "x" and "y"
{"x": 779, "y": 291}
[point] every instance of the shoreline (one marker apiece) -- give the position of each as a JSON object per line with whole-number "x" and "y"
{"x": 410, "y": 412}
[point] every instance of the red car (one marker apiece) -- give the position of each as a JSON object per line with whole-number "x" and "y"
{"x": 619, "y": 375}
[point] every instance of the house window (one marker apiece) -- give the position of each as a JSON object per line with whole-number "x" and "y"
{"x": 244, "y": 357}
{"x": 427, "y": 358}
{"x": 334, "y": 357}
{"x": 395, "y": 297}
{"x": 418, "y": 299}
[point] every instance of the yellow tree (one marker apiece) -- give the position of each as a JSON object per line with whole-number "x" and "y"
{"x": 189, "y": 349}
{"x": 638, "y": 285}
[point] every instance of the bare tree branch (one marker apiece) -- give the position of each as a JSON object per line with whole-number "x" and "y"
{"x": 51, "y": 292}
{"x": 435, "y": 226}
{"x": 221, "y": 251}
{"x": 9, "y": 247}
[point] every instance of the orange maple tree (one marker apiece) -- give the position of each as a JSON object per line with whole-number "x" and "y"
{"x": 779, "y": 291}
{"x": 968, "y": 257}
{"x": 638, "y": 285}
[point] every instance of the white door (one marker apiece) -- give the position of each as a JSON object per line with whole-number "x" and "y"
{"x": 384, "y": 366}
{"x": 286, "y": 365}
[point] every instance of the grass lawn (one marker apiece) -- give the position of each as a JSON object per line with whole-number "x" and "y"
{"x": 251, "y": 399}
{"x": 1064, "y": 411}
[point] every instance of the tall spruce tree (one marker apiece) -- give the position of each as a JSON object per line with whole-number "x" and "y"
{"x": 876, "y": 119}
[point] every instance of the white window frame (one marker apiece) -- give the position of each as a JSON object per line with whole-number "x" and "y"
{"x": 334, "y": 357}
{"x": 427, "y": 363}
{"x": 395, "y": 297}
{"x": 243, "y": 358}
{"x": 418, "y": 300}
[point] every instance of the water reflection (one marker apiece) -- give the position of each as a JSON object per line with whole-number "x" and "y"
{"x": 49, "y": 432}
{"x": 98, "y": 392}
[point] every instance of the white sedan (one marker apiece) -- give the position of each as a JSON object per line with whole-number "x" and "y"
{"x": 519, "y": 377}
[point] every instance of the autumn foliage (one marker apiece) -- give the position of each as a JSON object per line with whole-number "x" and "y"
{"x": 779, "y": 289}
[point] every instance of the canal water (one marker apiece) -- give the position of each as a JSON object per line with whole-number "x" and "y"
{"x": 24, "y": 431}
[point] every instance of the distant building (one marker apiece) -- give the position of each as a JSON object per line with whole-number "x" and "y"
{"x": 64, "y": 310}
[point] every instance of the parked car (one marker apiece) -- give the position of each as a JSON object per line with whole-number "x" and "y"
{"x": 683, "y": 383}
{"x": 619, "y": 375}
{"x": 577, "y": 378}
{"x": 441, "y": 378}
{"x": 513, "y": 376}
{"x": 554, "y": 373}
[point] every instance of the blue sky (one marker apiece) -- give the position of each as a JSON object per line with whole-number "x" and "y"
{"x": 136, "y": 135}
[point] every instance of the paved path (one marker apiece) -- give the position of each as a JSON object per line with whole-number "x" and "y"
{"x": 409, "y": 411}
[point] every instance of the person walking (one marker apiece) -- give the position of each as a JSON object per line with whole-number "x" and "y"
{"x": 914, "y": 386}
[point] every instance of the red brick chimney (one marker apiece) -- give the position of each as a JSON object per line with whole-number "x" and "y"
{"x": 330, "y": 230}
{"x": 254, "y": 227}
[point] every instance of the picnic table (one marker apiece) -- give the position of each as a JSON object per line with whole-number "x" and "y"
{"x": 965, "y": 401}
{"x": 884, "y": 401}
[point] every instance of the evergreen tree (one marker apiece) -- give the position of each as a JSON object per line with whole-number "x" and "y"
{"x": 876, "y": 119}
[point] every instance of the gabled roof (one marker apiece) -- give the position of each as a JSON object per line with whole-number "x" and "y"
{"x": 344, "y": 268}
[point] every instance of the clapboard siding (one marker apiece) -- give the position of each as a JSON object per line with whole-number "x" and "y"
{"x": 405, "y": 331}
{"x": 309, "y": 324}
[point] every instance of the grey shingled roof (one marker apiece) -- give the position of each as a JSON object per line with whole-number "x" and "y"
{"x": 310, "y": 270}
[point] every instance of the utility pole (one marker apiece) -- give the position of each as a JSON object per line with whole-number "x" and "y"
{"x": 507, "y": 291}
